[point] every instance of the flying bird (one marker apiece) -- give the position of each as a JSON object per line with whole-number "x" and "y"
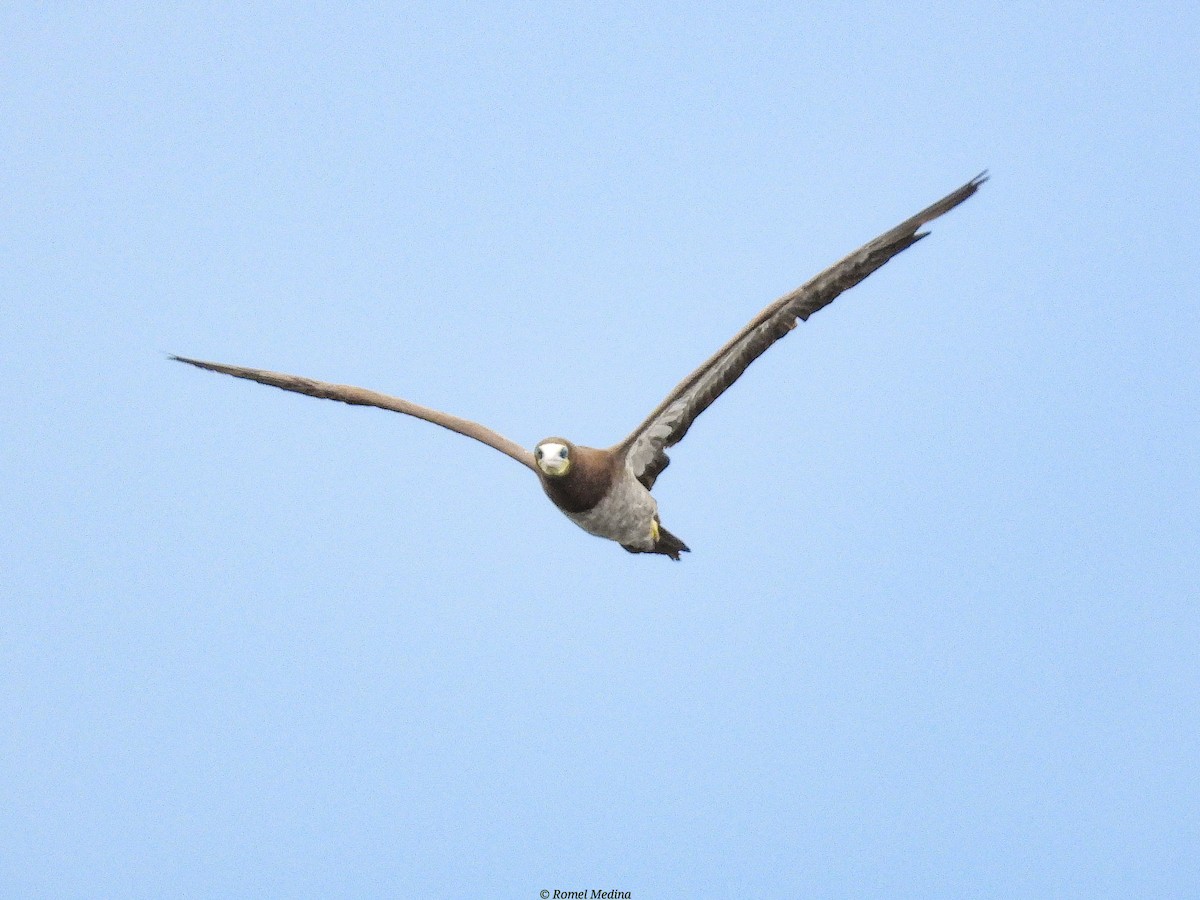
{"x": 607, "y": 492}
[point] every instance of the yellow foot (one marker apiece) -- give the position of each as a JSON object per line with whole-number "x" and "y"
{"x": 654, "y": 529}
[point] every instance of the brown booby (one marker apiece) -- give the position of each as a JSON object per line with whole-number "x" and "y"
{"x": 607, "y": 492}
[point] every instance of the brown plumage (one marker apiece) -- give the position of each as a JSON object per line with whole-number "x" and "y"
{"x": 607, "y": 492}
{"x": 588, "y": 480}
{"x": 596, "y": 493}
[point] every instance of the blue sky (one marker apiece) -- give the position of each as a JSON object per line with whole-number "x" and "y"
{"x": 938, "y": 632}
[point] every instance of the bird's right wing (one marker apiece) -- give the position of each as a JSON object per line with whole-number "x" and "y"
{"x": 357, "y": 396}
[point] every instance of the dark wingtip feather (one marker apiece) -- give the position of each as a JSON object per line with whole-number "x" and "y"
{"x": 208, "y": 366}
{"x": 950, "y": 201}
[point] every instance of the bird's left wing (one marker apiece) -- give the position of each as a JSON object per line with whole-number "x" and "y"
{"x": 645, "y": 448}
{"x": 357, "y": 396}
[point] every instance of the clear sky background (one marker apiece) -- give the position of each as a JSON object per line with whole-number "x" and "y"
{"x": 938, "y": 635}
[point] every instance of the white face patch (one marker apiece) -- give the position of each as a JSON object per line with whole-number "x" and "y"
{"x": 552, "y": 458}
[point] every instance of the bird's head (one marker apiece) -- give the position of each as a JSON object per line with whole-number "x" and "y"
{"x": 553, "y": 457}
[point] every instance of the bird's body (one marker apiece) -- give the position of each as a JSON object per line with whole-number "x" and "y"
{"x": 625, "y": 513}
{"x": 601, "y": 494}
{"x": 606, "y": 492}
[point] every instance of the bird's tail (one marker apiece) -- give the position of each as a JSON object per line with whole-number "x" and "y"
{"x": 665, "y": 543}
{"x": 669, "y": 545}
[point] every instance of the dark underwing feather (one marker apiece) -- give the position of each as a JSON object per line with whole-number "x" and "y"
{"x": 644, "y": 449}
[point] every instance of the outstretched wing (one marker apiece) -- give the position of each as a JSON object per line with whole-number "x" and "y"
{"x": 356, "y": 396}
{"x": 645, "y": 448}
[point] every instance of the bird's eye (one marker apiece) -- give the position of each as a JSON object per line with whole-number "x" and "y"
{"x": 537, "y": 454}
{"x": 562, "y": 454}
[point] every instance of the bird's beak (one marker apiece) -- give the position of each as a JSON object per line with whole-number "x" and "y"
{"x": 554, "y": 467}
